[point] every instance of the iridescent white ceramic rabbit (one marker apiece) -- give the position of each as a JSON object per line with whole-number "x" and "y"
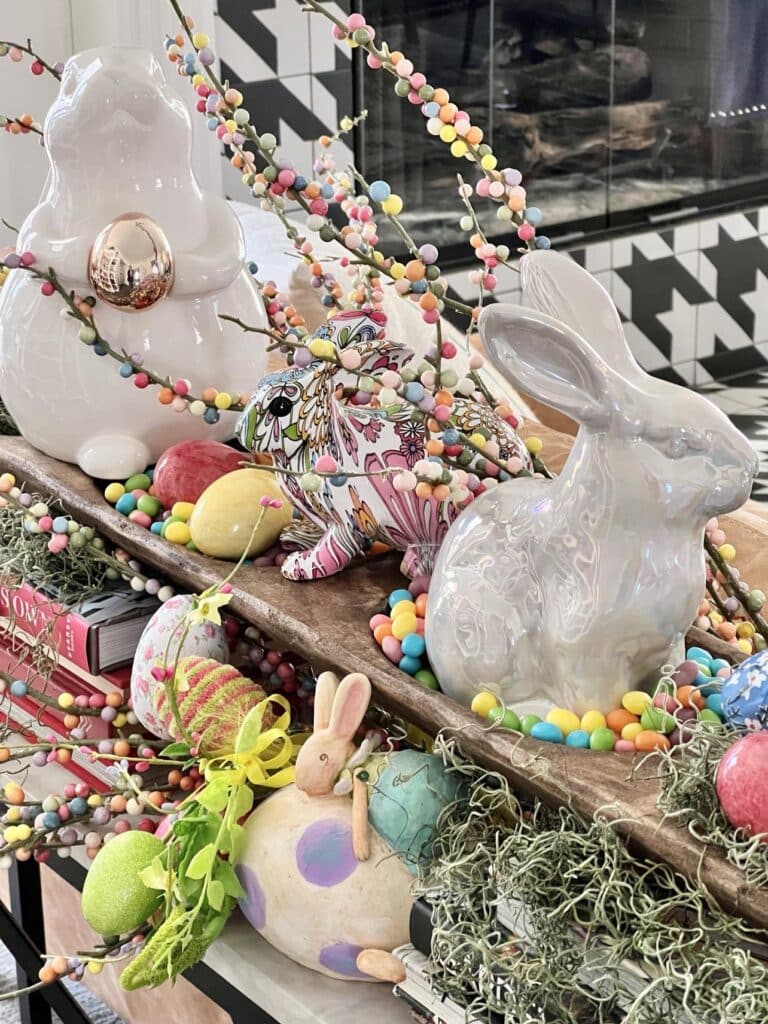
{"x": 119, "y": 143}
{"x": 572, "y": 591}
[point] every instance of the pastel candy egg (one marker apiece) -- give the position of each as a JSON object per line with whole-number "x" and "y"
{"x": 547, "y": 731}
{"x": 566, "y": 721}
{"x": 745, "y": 693}
{"x": 187, "y": 469}
{"x": 406, "y": 801}
{"x": 636, "y": 701}
{"x": 314, "y": 913}
{"x": 740, "y": 783}
{"x": 163, "y": 633}
{"x": 577, "y": 738}
{"x": 225, "y": 515}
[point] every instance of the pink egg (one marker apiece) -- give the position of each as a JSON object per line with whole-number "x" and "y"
{"x": 392, "y": 649}
{"x": 740, "y": 783}
{"x": 379, "y": 620}
{"x": 624, "y": 747}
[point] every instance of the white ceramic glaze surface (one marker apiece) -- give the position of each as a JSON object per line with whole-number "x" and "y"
{"x": 572, "y": 591}
{"x": 118, "y": 142}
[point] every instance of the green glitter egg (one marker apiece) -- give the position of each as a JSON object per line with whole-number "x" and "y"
{"x": 406, "y": 800}
{"x": 115, "y": 900}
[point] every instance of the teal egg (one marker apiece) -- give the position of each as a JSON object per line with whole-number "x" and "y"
{"x": 407, "y": 799}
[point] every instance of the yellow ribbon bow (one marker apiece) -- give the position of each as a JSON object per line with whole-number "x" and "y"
{"x": 248, "y": 761}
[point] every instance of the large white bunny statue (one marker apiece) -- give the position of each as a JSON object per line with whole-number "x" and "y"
{"x": 572, "y": 591}
{"x": 119, "y": 143}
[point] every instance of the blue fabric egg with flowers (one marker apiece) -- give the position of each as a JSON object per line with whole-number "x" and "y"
{"x": 745, "y": 693}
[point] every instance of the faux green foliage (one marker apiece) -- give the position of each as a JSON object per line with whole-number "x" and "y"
{"x": 195, "y": 871}
{"x": 603, "y": 936}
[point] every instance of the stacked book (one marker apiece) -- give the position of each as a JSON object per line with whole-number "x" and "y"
{"x": 91, "y": 646}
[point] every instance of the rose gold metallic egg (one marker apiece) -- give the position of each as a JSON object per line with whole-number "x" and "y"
{"x": 130, "y": 265}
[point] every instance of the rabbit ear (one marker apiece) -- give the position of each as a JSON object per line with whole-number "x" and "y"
{"x": 352, "y": 699}
{"x": 548, "y": 360}
{"x": 325, "y": 693}
{"x": 557, "y": 285}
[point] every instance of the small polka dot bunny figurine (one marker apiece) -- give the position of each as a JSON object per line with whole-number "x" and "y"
{"x": 326, "y": 882}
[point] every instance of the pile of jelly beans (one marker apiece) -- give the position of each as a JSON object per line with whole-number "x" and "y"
{"x": 400, "y": 634}
{"x": 134, "y": 498}
{"x": 642, "y": 723}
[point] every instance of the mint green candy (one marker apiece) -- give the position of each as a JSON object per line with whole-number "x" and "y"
{"x": 527, "y": 722}
{"x": 602, "y": 739}
{"x": 427, "y": 679}
{"x": 138, "y": 482}
{"x": 149, "y": 505}
{"x": 507, "y": 719}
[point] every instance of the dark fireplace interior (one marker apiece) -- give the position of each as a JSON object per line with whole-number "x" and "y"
{"x": 614, "y": 111}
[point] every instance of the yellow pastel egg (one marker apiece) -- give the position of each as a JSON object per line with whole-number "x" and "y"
{"x": 636, "y": 701}
{"x": 393, "y": 205}
{"x": 534, "y": 445}
{"x": 114, "y": 492}
{"x": 177, "y": 533}
{"x": 565, "y": 720}
{"x": 592, "y": 720}
{"x": 403, "y": 606}
{"x": 483, "y": 702}
{"x": 745, "y": 646}
{"x": 226, "y": 514}
{"x": 727, "y": 552}
{"x": 745, "y": 629}
{"x": 183, "y": 509}
{"x": 403, "y": 625}
{"x": 322, "y": 348}
{"x": 631, "y": 730}
{"x": 397, "y": 271}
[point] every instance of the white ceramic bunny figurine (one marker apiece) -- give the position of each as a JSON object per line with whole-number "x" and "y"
{"x": 118, "y": 144}
{"x": 572, "y": 591}
{"x": 327, "y": 878}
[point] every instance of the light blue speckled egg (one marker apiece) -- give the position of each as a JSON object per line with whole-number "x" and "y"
{"x": 745, "y": 693}
{"x": 406, "y": 801}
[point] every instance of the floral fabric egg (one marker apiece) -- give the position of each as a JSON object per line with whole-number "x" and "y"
{"x": 160, "y": 640}
{"x": 745, "y": 693}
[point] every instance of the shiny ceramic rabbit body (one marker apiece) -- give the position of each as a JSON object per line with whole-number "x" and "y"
{"x": 119, "y": 143}
{"x": 574, "y": 590}
{"x": 296, "y": 417}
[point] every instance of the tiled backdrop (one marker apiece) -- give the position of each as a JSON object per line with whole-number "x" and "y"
{"x": 694, "y": 296}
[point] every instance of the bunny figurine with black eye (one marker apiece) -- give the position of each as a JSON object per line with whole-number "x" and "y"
{"x": 295, "y": 416}
{"x": 574, "y": 590}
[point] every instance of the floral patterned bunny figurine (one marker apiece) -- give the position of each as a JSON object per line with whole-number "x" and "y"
{"x": 328, "y": 878}
{"x": 576, "y": 590}
{"x": 296, "y": 417}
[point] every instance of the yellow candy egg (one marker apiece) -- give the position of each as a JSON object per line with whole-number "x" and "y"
{"x": 564, "y": 719}
{"x": 403, "y": 625}
{"x": 592, "y": 720}
{"x": 745, "y": 646}
{"x": 403, "y": 606}
{"x": 483, "y": 702}
{"x": 183, "y": 509}
{"x": 631, "y": 730}
{"x": 177, "y": 533}
{"x": 113, "y": 493}
{"x": 226, "y": 514}
{"x": 745, "y": 629}
{"x": 727, "y": 552}
{"x": 636, "y": 701}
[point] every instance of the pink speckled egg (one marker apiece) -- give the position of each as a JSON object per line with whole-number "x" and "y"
{"x": 740, "y": 783}
{"x": 162, "y": 634}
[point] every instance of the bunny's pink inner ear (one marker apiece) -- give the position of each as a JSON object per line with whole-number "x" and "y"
{"x": 325, "y": 693}
{"x": 549, "y": 361}
{"x": 352, "y": 699}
